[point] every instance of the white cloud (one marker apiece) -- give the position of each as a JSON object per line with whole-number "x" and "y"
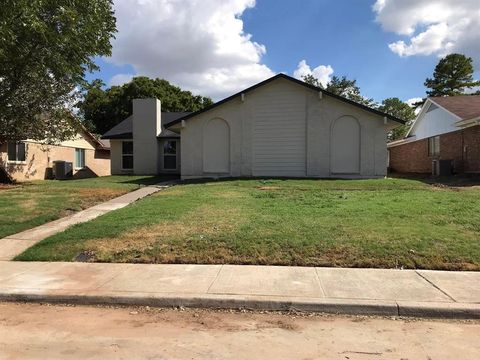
{"x": 199, "y": 45}
{"x": 432, "y": 26}
{"x": 120, "y": 79}
{"x": 321, "y": 72}
{"x": 413, "y": 101}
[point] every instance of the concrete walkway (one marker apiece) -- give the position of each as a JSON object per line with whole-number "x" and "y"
{"x": 15, "y": 244}
{"x": 337, "y": 290}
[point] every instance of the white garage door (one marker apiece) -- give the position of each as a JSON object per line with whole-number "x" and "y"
{"x": 279, "y": 138}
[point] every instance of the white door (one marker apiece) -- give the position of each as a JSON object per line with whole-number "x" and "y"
{"x": 345, "y": 146}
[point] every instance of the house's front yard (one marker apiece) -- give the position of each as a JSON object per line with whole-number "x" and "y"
{"x": 27, "y": 205}
{"x": 360, "y": 223}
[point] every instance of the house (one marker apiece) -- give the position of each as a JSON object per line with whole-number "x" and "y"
{"x": 33, "y": 160}
{"x": 447, "y": 129}
{"x": 281, "y": 127}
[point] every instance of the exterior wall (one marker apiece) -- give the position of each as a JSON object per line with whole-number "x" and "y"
{"x": 462, "y": 146}
{"x": 116, "y": 158}
{"x": 434, "y": 122}
{"x": 39, "y": 157}
{"x": 471, "y": 139}
{"x": 146, "y": 127}
{"x": 411, "y": 157}
{"x": 314, "y": 117}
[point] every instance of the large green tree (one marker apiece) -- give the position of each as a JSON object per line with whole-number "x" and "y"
{"x": 341, "y": 86}
{"x": 401, "y": 110}
{"x": 46, "y": 47}
{"x": 452, "y": 76}
{"x": 103, "y": 109}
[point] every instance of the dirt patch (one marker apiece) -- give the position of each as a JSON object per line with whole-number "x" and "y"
{"x": 85, "y": 256}
{"x": 90, "y": 197}
{"x": 270, "y": 188}
{"x": 7, "y": 186}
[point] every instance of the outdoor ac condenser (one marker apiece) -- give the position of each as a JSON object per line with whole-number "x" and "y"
{"x": 62, "y": 169}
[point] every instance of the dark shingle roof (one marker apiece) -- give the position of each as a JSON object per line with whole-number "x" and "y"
{"x": 465, "y": 106}
{"x": 124, "y": 130}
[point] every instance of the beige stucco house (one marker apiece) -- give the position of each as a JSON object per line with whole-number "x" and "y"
{"x": 33, "y": 160}
{"x": 281, "y": 127}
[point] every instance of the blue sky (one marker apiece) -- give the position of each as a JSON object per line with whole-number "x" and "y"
{"x": 213, "y": 54}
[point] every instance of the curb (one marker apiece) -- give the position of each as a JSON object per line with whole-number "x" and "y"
{"x": 332, "y": 306}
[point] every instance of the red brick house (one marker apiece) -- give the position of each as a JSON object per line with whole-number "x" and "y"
{"x": 446, "y": 132}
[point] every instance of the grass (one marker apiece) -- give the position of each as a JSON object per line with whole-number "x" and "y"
{"x": 27, "y": 205}
{"x": 357, "y": 223}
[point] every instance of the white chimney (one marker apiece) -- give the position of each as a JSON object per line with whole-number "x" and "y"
{"x": 147, "y": 124}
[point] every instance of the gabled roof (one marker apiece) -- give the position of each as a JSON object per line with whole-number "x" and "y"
{"x": 99, "y": 144}
{"x": 464, "y": 106}
{"x": 124, "y": 129}
{"x": 296, "y": 81}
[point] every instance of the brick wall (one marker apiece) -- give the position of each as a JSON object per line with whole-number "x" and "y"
{"x": 462, "y": 146}
{"x": 472, "y": 149}
{"x": 40, "y": 157}
{"x": 411, "y": 157}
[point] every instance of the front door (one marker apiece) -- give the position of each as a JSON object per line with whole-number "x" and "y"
{"x": 169, "y": 160}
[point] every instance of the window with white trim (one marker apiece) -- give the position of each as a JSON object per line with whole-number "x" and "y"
{"x": 127, "y": 155}
{"x": 79, "y": 158}
{"x": 16, "y": 151}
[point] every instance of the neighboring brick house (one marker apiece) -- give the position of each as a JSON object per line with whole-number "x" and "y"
{"x": 447, "y": 128}
{"x": 33, "y": 160}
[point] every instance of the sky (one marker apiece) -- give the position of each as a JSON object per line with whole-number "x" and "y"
{"x": 218, "y": 47}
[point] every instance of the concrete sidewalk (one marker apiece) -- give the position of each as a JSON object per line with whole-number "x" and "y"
{"x": 334, "y": 290}
{"x": 15, "y": 244}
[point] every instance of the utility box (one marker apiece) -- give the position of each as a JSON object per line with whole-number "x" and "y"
{"x": 62, "y": 170}
{"x": 442, "y": 167}
{"x": 445, "y": 167}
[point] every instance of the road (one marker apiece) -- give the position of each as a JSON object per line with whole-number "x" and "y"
{"x": 34, "y": 331}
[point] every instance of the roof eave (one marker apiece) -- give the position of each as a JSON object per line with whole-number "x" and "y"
{"x": 126, "y": 136}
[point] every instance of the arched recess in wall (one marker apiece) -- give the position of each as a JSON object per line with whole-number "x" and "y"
{"x": 345, "y": 146}
{"x": 216, "y": 146}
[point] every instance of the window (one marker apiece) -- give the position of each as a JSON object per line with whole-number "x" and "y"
{"x": 79, "y": 158}
{"x": 169, "y": 155}
{"x": 16, "y": 151}
{"x": 434, "y": 146}
{"x": 127, "y": 155}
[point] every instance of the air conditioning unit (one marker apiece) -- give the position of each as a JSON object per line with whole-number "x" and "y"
{"x": 442, "y": 167}
{"x": 62, "y": 170}
{"x": 445, "y": 167}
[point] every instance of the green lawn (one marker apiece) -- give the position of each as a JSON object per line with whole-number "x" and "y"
{"x": 34, "y": 203}
{"x": 354, "y": 223}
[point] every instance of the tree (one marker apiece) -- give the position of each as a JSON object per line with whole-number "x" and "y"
{"x": 312, "y": 80}
{"x": 401, "y": 110}
{"x": 46, "y": 47}
{"x": 103, "y": 109}
{"x": 343, "y": 87}
{"x": 452, "y": 76}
